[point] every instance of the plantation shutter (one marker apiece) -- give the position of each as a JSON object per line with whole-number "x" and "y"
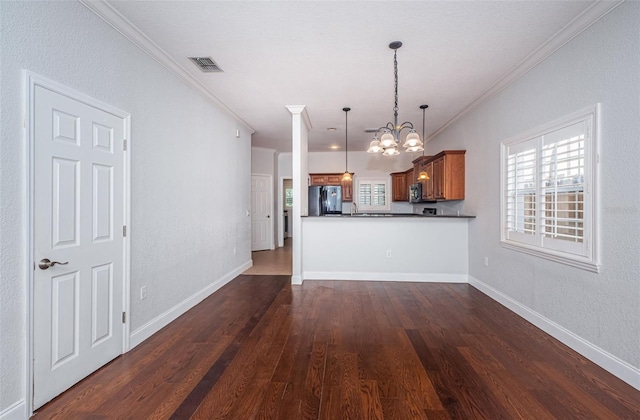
{"x": 372, "y": 195}
{"x": 521, "y": 224}
{"x": 562, "y": 174}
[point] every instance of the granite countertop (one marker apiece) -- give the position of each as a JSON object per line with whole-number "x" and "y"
{"x": 388, "y": 215}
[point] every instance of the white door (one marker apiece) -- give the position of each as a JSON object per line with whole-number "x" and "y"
{"x": 261, "y": 227}
{"x": 78, "y": 222}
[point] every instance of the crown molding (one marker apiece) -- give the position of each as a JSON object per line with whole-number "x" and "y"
{"x": 116, "y": 20}
{"x": 302, "y": 110}
{"x": 574, "y": 28}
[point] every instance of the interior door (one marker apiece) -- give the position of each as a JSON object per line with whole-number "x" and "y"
{"x": 261, "y": 225}
{"x": 78, "y": 242}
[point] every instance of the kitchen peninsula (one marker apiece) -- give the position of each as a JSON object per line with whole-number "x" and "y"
{"x": 386, "y": 247}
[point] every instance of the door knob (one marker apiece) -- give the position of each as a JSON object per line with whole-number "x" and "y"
{"x": 46, "y": 263}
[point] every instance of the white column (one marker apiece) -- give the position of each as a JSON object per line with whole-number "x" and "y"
{"x": 300, "y": 126}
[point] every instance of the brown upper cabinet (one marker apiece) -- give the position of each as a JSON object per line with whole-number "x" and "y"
{"x": 446, "y": 175}
{"x": 347, "y": 190}
{"x": 410, "y": 178}
{"x": 419, "y": 165}
{"x": 399, "y": 186}
{"x": 325, "y": 179}
{"x": 400, "y": 182}
{"x": 333, "y": 179}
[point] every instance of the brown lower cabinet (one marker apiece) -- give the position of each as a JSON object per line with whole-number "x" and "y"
{"x": 333, "y": 179}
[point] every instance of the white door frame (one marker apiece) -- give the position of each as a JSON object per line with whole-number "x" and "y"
{"x": 31, "y": 80}
{"x": 271, "y": 226}
{"x": 280, "y": 211}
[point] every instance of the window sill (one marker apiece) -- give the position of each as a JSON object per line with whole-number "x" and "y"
{"x": 576, "y": 262}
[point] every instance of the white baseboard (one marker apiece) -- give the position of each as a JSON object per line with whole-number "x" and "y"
{"x": 409, "y": 277}
{"x": 296, "y": 280}
{"x": 162, "y": 320}
{"x": 16, "y": 411}
{"x": 600, "y": 357}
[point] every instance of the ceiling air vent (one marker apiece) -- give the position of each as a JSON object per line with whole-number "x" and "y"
{"x": 206, "y": 64}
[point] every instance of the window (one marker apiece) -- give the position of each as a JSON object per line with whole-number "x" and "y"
{"x": 288, "y": 197}
{"x": 548, "y": 191}
{"x": 287, "y": 185}
{"x": 373, "y": 195}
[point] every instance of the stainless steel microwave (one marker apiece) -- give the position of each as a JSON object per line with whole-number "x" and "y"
{"x": 415, "y": 193}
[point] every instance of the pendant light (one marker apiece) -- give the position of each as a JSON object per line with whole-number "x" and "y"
{"x": 347, "y": 176}
{"x": 388, "y": 142}
{"x": 423, "y": 175}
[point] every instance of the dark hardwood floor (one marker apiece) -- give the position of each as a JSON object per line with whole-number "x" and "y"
{"x": 260, "y": 348}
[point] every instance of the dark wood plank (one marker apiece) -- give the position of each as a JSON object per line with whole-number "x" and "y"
{"x": 330, "y": 403}
{"x": 271, "y": 403}
{"x": 350, "y": 402}
{"x": 260, "y": 348}
{"x": 371, "y": 405}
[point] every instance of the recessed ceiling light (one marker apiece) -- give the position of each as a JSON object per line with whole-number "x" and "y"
{"x": 335, "y": 146}
{"x": 331, "y": 129}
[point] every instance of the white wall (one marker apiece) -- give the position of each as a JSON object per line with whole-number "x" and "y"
{"x": 421, "y": 248}
{"x": 263, "y": 161}
{"x": 364, "y": 165}
{"x": 285, "y": 162}
{"x": 182, "y": 237}
{"x": 600, "y": 65}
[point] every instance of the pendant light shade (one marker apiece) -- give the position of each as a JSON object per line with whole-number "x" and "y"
{"x": 374, "y": 146}
{"x": 412, "y": 140}
{"x": 346, "y": 176}
{"x": 390, "y": 151}
{"x": 423, "y": 175}
{"x": 387, "y": 140}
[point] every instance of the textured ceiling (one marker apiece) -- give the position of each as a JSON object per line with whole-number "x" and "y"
{"x": 331, "y": 54}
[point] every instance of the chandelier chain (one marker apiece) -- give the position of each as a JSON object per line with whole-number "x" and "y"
{"x": 395, "y": 74}
{"x": 346, "y": 140}
{"x": 423, "y": 138}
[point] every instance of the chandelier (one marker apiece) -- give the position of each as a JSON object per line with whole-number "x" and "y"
{"x": 388, "y": 143}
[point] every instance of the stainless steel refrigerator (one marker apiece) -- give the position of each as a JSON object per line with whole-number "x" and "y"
{"x": 325, "y": 200}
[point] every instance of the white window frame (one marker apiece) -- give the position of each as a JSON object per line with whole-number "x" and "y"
{"x": 387, "y": 194}
{"x": 588, "y": 257}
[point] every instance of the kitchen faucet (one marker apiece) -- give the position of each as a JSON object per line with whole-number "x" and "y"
{"x": 351, "y": 208}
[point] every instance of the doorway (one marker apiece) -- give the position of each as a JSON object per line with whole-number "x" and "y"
{"x": 287, "y": 205}
{"x": 261, "y": 209}
{"x": 279, "y": 260}
{"x": 78, "y": 285}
